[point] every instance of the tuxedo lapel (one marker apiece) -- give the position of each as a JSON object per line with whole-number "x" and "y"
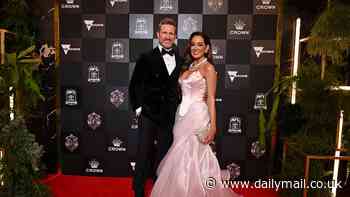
{"x": 177, "y": 67}
{"x": 159, "y": 61}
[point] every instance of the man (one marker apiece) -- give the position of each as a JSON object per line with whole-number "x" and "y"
{"x": 154, "y": 96}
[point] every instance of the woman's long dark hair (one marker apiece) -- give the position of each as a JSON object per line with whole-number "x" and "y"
{"x": 209, "y": 55}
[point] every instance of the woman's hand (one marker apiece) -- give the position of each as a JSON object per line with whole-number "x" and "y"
{"x": 210, "y": 136}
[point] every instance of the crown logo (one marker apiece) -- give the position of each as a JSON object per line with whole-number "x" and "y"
{"x": 239, "y": 25}
{"x": 117, "y": 142}
{"x": 266, "y": 2}
{"x": 94, "y": 163}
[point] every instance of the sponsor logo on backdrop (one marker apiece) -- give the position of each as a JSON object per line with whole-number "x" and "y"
{"x": 190, "y": 25}
{"x": 117, "y": 97}
{"x": 215, "y": 4}
{"x": 70, "y": 4}
{"x": 233, "y": 74}
{"x": 237, "y": 76}
{"x": 217, "y": 53}
{"x": 132, "y": 165}
{"x": 68, "y": 47}
{"x": 239, "y": 26}
{"x": 265, "y": 5}
{"x": 117, "y": 50}
{"x": 234, "y": 170}
{"x": 94, "y": 167}
{"x": 117, "y": 145}
{"x": 141, "y": 25}
{"x": 257, "y": 149}
{"x": 93, "y": 74}
{"x": 260, "y": 101}
{"x": 91, "y": 23}
{"x": 94, "y": 120}
{"x": 263, "y": 52}
{"x": 235, "y": 125}
{"x": 167, "y": 5}
{"x": 260, "y": 50}
{"x": 71, "y": 97}
{"x": 113, "y": 2}
{"x": 71, "y": 142}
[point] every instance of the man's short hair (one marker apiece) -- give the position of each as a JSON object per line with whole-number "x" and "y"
{"x": 166, "y": 21}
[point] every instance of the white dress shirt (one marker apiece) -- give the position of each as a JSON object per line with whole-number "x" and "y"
{"x": 169, "y": 60}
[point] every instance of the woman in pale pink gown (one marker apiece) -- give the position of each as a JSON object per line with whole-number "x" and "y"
{"x": 190, "y": 166}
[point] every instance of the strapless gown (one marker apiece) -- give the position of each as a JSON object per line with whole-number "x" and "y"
{"x": 190, "y": 165}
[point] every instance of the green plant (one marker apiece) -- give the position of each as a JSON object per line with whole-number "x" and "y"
{"x": 319, "y": 108}
{"x": 17, "y": 72}
{"x": 268, "y": 124}
{"x": 20, "y": 165}
{"x": 330, "y": 35}
{"x": 17, "y": 17}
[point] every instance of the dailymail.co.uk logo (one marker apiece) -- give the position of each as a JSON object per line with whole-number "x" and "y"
{"x": 67, "y": 47}
{"x": 260, "y": 50}
{"x": 91, "y": 23}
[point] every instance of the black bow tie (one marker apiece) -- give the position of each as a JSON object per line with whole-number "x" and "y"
{"x": 170, "y": 52}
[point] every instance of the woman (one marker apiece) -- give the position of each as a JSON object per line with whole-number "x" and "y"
{"x": 189, "y": 167}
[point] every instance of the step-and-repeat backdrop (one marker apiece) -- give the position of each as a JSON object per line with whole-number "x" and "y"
{"x": 100, "y": 43}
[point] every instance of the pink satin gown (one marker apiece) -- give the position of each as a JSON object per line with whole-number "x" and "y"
{"x": 189, "y": 163}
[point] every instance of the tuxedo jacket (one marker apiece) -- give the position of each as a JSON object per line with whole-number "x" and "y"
{"x": 153, "y": 89}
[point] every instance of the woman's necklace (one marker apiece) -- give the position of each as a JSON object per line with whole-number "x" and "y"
{"x": 194, "y": 67}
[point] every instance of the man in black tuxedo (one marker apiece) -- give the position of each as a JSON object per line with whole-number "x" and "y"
{"x": 154, "y": 96}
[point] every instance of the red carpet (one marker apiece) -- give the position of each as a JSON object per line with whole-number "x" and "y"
{"x": 85, "y": 186}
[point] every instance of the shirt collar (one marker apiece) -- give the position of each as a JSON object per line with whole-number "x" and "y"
{"x": 160, "y": 47}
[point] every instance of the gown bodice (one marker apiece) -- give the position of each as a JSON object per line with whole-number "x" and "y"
{"x": 194, "y": 89}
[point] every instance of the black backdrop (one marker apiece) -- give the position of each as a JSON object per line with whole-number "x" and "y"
{"x": 100, "y": 42}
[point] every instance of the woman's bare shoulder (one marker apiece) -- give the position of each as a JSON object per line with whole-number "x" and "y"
{"x": 208, "y": 69}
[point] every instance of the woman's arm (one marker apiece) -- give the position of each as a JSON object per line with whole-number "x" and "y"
{"x": 211, "y": 78}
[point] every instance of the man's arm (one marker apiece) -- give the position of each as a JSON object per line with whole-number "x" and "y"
{"x": 136, "y": 87}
